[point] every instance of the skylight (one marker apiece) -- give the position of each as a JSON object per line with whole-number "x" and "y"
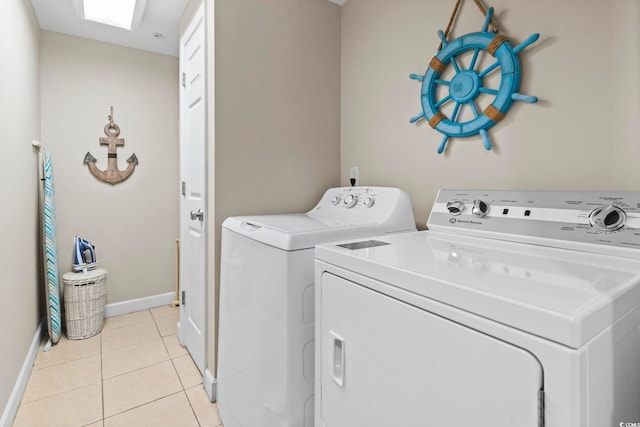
{"x": 118, "y": 13}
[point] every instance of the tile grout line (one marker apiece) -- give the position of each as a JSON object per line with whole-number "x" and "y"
{"x": 158, "y": 363}
{"x": 22, "y": 402}
{"x": 63, "y": 363}
{"x": 184, "y": 390}
{"x": 192, "y": 408}
{"x": 129, "y": 324}
{"x": 55, "y": 394}
{"x": 155, "y": 322}
{"x": 166, "y": 344}
{"x": 102, "y": 378}
{"x": 144, "y": 341}
{"x": 146, "y": 403}
{"x": 178, "y": 374}
{"x": 137, "y": 369}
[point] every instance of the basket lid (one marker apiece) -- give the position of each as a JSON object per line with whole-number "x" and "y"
{"x": 89, "y": 276}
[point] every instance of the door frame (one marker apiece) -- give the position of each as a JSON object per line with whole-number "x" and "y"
{"x": 200, "y": 14}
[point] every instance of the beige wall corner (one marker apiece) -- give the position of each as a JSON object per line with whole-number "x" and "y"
{"x": 277, "y": 112}
{"x": 20, "y": 254}
{"x": 133, "y": 224}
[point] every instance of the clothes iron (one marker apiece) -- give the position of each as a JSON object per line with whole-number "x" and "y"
{"x": 84, "y": 255}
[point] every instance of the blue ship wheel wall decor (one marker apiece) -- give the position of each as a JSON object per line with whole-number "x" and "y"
{"x": 468, "y": 83}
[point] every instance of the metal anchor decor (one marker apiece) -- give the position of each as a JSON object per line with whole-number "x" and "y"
{"x": 111, "y": 175}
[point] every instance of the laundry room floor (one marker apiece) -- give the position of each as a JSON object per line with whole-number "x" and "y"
{"x": 133, "y": 373}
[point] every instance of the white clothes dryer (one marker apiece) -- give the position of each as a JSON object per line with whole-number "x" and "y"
{"x": 265, "y": 346}
{"x": 514, "y": 309}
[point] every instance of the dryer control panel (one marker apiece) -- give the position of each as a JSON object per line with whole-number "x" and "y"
{"x": 602, "y": 222}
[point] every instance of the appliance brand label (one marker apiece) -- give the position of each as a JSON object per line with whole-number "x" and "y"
{"x": 465, "y": 221}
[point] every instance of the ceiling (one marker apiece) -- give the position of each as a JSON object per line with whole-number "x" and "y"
{"x": 160, "y": 16}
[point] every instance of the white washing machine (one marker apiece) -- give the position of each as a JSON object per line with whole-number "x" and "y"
{"x": 265, "y": 344}
{"x": 515, "y": 309}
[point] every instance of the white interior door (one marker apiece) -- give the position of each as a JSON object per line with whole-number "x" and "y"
{"x": 192, "y": 328}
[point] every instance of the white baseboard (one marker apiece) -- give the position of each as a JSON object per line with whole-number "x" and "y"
{"x": 180, "y": 332}
{"x": 11, "y": 409}
{"x": 210, "y": 385}
{"x": 138, "y": 304}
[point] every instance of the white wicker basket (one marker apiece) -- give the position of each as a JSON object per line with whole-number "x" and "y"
{"x": 84, "y": 299}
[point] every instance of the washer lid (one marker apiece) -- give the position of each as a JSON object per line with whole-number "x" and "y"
{"x": 298, "y": 231}
{"x": 562, "y": 295}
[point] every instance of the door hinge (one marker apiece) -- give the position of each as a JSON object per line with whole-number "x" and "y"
{"x": 541, "y": 408}
{"x": 183, "y": 80}
{"x": 183, "y": 298}
{"x": 184, "y": 188}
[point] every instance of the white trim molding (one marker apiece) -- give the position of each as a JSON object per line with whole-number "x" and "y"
{"x": 10, "y": 411}
{"x": 138, "y": 304}
{"x": 210, "y": 385}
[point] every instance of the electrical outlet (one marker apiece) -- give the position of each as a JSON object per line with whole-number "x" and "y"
{"x": 354, "y": 176}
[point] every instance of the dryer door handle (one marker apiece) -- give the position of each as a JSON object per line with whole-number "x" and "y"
{"x": 337, "y": 371}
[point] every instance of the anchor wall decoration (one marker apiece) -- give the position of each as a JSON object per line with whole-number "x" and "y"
{"x": 112, "y": 174}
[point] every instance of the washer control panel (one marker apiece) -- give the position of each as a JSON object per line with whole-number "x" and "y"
{"x": 354, "y": 197}
{"x": 366, "y": 205}
{"x": 555, "y": 218}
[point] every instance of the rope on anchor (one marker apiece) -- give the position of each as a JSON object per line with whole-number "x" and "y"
{"x": 112, "y": 126}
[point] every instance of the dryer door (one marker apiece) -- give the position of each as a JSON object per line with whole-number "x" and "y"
{"x": 387, "y": 363}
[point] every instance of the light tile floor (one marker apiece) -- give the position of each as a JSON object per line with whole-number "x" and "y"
{"x": 133, "y": 373}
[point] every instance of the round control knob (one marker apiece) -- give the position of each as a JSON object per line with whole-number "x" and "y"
{"x": 369, "y": 201}
{"x": 335, "y": 200}
{"x": 608, "y": 218}
{"x": 480, "y": 209}
{"x": 350, "y": 201}
{"x": 455, "y": 207}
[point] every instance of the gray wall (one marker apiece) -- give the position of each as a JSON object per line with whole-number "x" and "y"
{"x": 583, "y": 134}
{"x": 20, "y": 258}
